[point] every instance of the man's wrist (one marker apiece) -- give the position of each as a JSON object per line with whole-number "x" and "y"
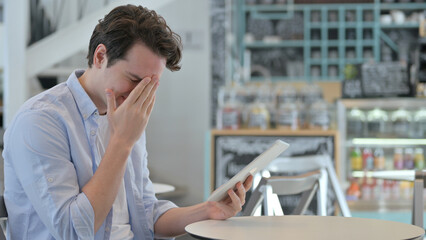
{"x": 119, "y": 145}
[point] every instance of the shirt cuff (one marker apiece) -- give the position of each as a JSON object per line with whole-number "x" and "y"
{"x": 161, "y": 207}
{"x": 83, "y": 217}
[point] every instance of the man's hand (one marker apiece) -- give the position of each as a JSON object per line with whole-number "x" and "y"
{"x": 172, "y": 222}
{"x": 129, "y": 120}
{"x": 126, "y": 122}
{"x": 233, "y": 204}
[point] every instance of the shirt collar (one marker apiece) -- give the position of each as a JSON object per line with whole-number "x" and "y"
{"x": 83, "y": 101}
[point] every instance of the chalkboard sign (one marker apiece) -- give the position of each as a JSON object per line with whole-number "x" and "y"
{"x": 233, "y": 153}
{"x": 351, "y": 88}
{"x": 387, "y": 79}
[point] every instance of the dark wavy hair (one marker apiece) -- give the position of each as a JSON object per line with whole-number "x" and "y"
{"x": 126, "y": 25}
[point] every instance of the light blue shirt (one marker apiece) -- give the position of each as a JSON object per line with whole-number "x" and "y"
{"x": 50, "y": 154}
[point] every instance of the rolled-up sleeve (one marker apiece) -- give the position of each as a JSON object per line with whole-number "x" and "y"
{"x": 40, "y": 154}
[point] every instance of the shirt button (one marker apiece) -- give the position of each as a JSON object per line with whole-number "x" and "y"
{"x": 107, "y": 229}
{"x": 84, "y": 115}
{"x": 93, "y": 132}
{"x": 96, "y": 113}
{"x": 50, "y": 179}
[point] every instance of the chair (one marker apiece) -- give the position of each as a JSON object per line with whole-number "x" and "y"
{"x": 3, "y": 218}
{"x": 419, "y": 185}
{"x": 419, "y": 179}
{"x": 269, "y": 188}
{"x": 320, "y": 163}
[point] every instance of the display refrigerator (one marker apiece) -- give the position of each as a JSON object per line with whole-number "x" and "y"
{"x": 378, "y": 135}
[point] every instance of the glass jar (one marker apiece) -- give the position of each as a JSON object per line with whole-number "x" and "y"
{"x": 310, "y": 94}
{"x": 355, "y": 123}
{"x": 258, "y": 116}
{"x": 228, "y": 112}
{"x": 265, "y": 96}
{"x": 258, "y": 113}
{"x": 302, "y": 116}
{"x": 401, "y": 123}
{"x": 286, "y": 94}
{"x": 246, "y": 94}
{"x": 319, "y": 116}
{"x": 377, "y": 123}
{"x": 287, "y": 116}
{"x": 419, "y": 128}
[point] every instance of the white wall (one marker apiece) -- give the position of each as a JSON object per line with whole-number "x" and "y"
{"x": 180, "y": 120}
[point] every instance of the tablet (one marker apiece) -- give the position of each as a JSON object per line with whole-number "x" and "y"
{"x": 252, "y": 168}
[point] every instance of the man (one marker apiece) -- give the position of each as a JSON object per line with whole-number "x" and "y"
{"x": 75, "y": 155}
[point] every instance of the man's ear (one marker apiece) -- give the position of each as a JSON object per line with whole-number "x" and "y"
{"x": 100, "y": 57}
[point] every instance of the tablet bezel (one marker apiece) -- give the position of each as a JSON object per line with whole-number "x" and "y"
{"x": 258, "y": 164}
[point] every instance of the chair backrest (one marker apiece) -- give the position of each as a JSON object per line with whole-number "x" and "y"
{"x": 417, "y": 208}
{"x": 269, "y": 188}
{"x": 419, "y": 179}
{"x": 3, "y": 218}
{"x": 312, "y": 163}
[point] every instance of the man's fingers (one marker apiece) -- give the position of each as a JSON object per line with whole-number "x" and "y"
{"x": 151, "y": 106}
{"x": 146, "y": 96}
{"x": 241, "y": 192}
{"x": 138, "y": 90}
{"x": 248, "y": 182}
{"x": 110, "y": 100}
{"x": 145, "y": 104}
{"x": 236, "y": 202}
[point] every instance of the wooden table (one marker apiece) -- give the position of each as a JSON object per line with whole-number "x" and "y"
{"x": 303, "y": 227}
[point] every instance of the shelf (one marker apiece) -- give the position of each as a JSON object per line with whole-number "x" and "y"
{"x": 397, "y": 175}
{"x": 402, "y": 6}
{"x": 405, "y": 25}
{"x": 283, "y": 43}
{"x": 384, "y": 103}
{"x": 316, "y": 43}
{"x": 365, "y": 6}
{"x": 333, "y": 61}
{"x": 317, "y": 34}
{"x": 293, "y": 79}
{"x": 390, "y": 142}
{"x": 354, "y": 61}
{"x": 362, "y": 25}
{"x": 381, "y": 205}
{"x": 354, "y": 43}
{"x": 332, "y": 25}
{"x": 274, "y": 132}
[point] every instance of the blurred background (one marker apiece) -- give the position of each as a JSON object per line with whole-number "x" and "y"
{"x": 343, "y": 78}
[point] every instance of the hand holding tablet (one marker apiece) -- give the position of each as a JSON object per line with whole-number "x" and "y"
{"x": 252, "y": 168}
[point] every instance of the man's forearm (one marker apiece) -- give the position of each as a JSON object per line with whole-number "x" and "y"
{"x": 103, "y": 187}
{"x": 172, "y": 223}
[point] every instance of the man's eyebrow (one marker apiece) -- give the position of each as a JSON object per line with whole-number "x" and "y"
{"x": 134, "y": 76}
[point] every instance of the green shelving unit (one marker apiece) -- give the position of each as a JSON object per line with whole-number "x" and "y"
{"x": 355, "y": 32}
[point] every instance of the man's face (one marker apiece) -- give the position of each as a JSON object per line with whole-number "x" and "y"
{"x": 124, "y": 75}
